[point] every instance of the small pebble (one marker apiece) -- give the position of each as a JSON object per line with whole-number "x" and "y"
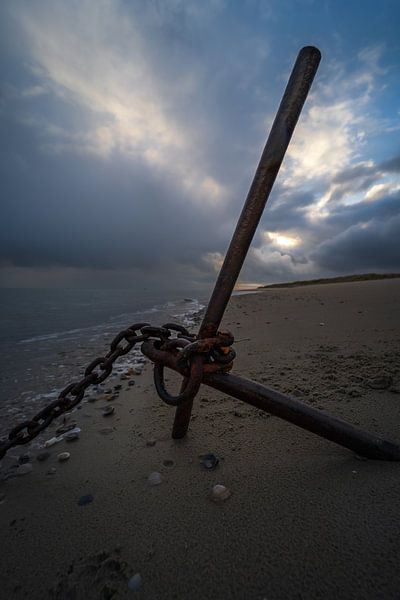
{"x": 359, "y": 457}
{"x": 24, "y": 458}
{"x": 51, "y": 471}
{"x": 209, "y": 461}
{"x": 322, "y": 324}
{"x": 151, "y": 443}
{"x": 106, "y": 430}
{"x": 43, "y": 456}
{"x": 220, "y": 493}
{"x": 87, "y": 499}
{"x": 168, "y": 463}
{"x": 380, "y": 382}
{"x": 24, "y": 469}
{"x": 154, "y": 478}
{"x": 135, "y": 582}
{"x": 63, "y": 456}
{"x": 131, "y": 382}
{"x": 109, "y": 410}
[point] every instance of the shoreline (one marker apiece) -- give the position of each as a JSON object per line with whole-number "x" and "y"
{"x": 45, "y": 371}
{"x": 305, "y": 517}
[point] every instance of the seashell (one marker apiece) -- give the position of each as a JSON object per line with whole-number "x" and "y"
{"x": 220, "y": 493}
{"x": 154, "y": 478}
{"x": 108, "y": 411}
{"x": 73, "y": 434}
{"x": 137, "y": 369}
{"x": 52, "y": 441}
{"x": 63, "y": 456}
{"x": 135, "y": 582}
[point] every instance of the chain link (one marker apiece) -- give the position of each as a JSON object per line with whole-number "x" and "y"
{"x": 96, "y": 372}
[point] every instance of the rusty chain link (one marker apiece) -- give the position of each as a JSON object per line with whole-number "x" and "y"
{"x": 193, "y": 354}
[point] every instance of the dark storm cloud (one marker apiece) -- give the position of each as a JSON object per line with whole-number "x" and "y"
{"x": 79, "y": 212}
{"x": 392, "y": 165}
{"x": 372, "y": 246}
{"x": 131, "y": 144}
{"x": 65, "y": 206}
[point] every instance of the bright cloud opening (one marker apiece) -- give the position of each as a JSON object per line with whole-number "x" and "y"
{"x": 281, "y": 240}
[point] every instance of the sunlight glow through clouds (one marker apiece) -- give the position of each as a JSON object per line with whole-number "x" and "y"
{"x": 115, "y": 81}
{"x": 165, "y": 107}
{"x": 280, "y": 240}
{"x": 381, "y": 190}
{"x": 333, "y": 129}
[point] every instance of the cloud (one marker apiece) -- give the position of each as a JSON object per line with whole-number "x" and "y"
{"x": 331, "y": 190}
{"x": 373, "y": 245}
{"x": 131, "y": 134}
{"x": 93, "y": 57}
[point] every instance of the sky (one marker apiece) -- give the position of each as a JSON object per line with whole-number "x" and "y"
{"x": 130, "y": 132}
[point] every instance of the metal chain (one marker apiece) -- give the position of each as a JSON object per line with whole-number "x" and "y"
{"x": 101, "y": 368}
{"x": 95, "y": 373}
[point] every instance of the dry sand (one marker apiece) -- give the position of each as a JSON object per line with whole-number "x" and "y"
{"x": 305, "y": 520}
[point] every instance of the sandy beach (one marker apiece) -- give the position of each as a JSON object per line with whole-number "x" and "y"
{"x": 306, "y": 518}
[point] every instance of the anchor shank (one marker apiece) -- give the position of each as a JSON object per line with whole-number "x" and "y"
{"x": 282, "y": 129}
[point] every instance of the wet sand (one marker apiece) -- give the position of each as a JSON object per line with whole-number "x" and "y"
{"x": 306, "y": 518}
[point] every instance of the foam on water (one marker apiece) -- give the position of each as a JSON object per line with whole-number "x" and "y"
{"x": 40, "y": 366}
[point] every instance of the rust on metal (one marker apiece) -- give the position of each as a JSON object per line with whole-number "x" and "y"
{"x": 283, "y": 406}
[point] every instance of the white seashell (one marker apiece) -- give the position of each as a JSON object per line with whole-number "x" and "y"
{"x": 63, "y": 456}
{"x": 154, "y": 478}
{"x": 220, "y": 493}
{"x": 74, "y": 430}
{"x": 137, "y": 369}
{"x": 52, "y": 441}
{"x": 73, "y": 434}
{"x": 135, "y": 582}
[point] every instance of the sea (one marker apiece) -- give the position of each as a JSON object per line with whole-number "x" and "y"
{"x": 48, "y": 336}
